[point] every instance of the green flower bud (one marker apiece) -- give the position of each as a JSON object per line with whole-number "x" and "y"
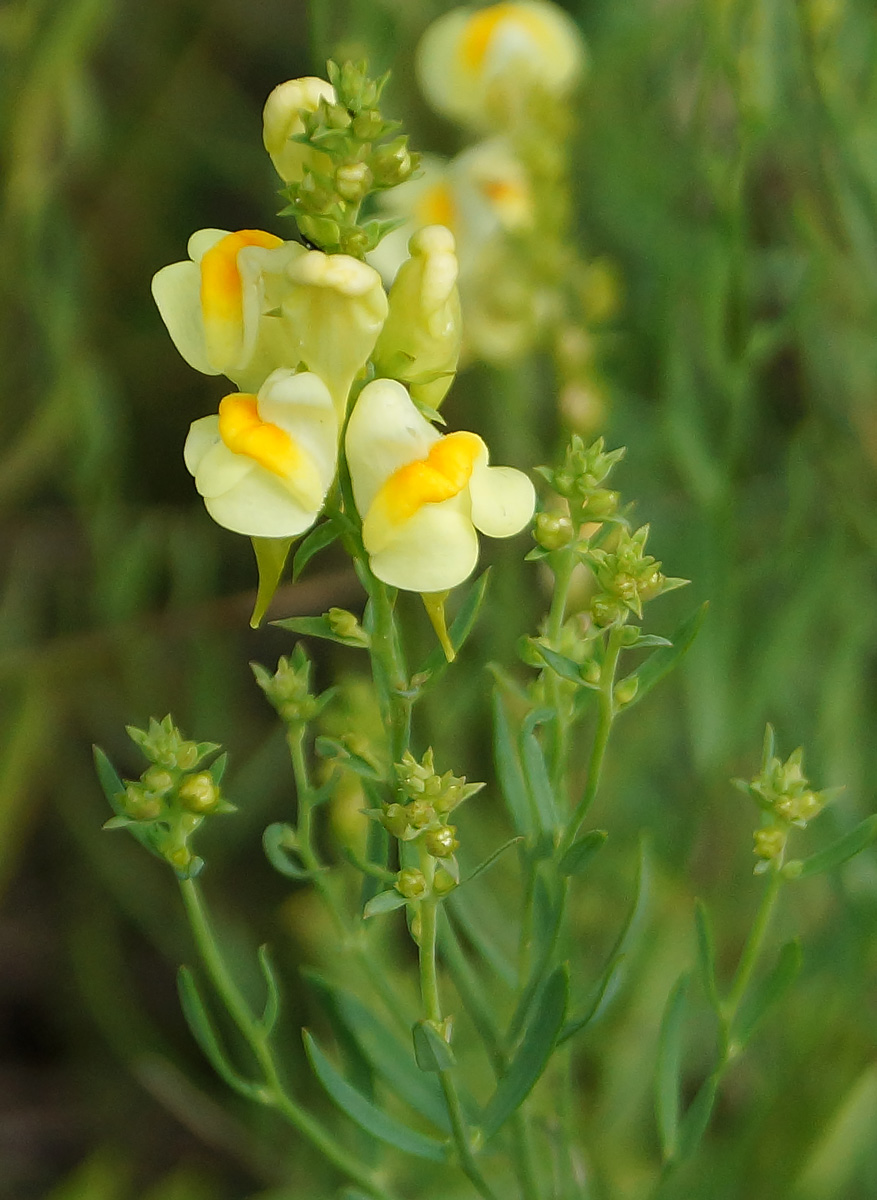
{"x": 393, "y": 163}
{"x": 605, "y": 609}
{"x": 552, "y": 530}
{"x": 592, "y": 672}
{"x": 395, "y": 820}
{"x": 353, "y": 181}
{"x": 345, "y": 624}
{"x": 626, "y": 690}
{"x": 443, "y": 882}
{"x": 441, "y": 842}
{"x": 411, "y": 883}
{"x": 199, "y": 793}
{"x": 419, "y": 814}
{"x": 368, "y": 125}
{"x": 157, "y": 780}
{"x": 140, "y": 804}
{"x": 769, "y": 841}
{"x": 600, "y": 505}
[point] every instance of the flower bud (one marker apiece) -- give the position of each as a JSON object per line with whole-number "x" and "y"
{"x": 626, "y": 690}
{"x": 368, "y": 125}
{"x": 393, "y": 163}
{"x": 141, "y": 804}
{"x": 769, "y": 841}
{"x": 441, "y": 842}
{"x": 411, "y": 883}
{"x": 199, "y": 793}
{"x": 552, "y": 531}
{"x": 395, "y": 820}
{"x": 443, "y": 882}
{"x": 420, "y": 342}
{"x": 282, "y": 120}
{"x": 353, "y": 181}
{"x": 155, "y": 779}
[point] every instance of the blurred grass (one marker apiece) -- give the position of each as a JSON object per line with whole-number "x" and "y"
{"x": 726, "y": 160}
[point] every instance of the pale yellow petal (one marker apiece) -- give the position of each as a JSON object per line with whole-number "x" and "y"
{"x": 503, "y": 500}
{"x": 176, "y": 290}
{"x": 385, "y": 432}
{"x": 434, "y": 551}
{"x": 260, "y": 506}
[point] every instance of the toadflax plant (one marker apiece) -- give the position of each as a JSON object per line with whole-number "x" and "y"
{"x": 334, "y": 436}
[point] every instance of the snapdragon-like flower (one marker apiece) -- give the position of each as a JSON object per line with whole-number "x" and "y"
{"x": 478, "y": 66}
{"x": 337, "y": 306}
{"x": 221, "y": 306}
{"x": 282, "y": 121}
{"x": 422, "y": 495}
{"x": 265, "y": 463}
{"x": 420, "y": 342}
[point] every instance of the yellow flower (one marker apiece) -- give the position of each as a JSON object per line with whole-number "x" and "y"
{"x": 282, "y": 120}
{"x": 220, "y": 306}
{"x": 479, "y": 66}
{"x": 420, "y": 341}
{"x": 422, "y": 495}
{"x": 265, "y": 463}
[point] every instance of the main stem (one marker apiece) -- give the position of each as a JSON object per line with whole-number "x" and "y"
{"x": 274, "y": 1092}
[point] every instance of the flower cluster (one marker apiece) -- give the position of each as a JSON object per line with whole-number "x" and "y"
{"x": 783, "y": 793}
{"x": 505, "y": 74}
{"x": 173, "y": 795}
{"x": 299, "y": 331}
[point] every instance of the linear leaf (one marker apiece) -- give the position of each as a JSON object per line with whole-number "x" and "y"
{"x": 320, "y": 627}
{"x": 487, "y": 863}
{"x": 470, "y": 918}
{"x": 837, "y": 853}
{"x": 508, "y": 769}
{"x": 532, "y": 1055}
{"x": 114, "y": 789}
{"x": 767, "y": 993}
{"x": 662, "y": 661}
{"x": 693, "y": 1125}
{"x": 271, "y": 1010}
{"x": 580, "y": 853}
{"x": 384, "y": 902}
{"x": 538, "y": 779}
{"x": 366, "y": 1114}
{"x": 431, "y": 1051}
{"x": 565, "y": 667}
{"x": 278, "y": 842}
{"x": 706, "y": 955}
{"x": 388, "y": 1056}
{"x": 605, "y": 989}
{"x": 200, "y": 1024}
{"x": 667, "y": 1075}
{"x": 318, "y": 539}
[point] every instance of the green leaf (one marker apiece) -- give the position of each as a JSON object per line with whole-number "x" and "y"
{"x": 217, "y": 768}
{"x": 384, "y": 902}
{"x": 565, "y": 667}
{"x": 386, "y": 1054}
{"x": 580, "y": 853}
{"x": 547, "y": 920}
{"x": 706, "y": 955}
{"x": 614, "y": 964}
{"x": 835, "y": 854}
{"x": 532, "y": 1055}
{"x": 468, "y": 911}
{"x": 319, "y": 627}
{"x": 329, "y": 747}
{"x": 648, "y": 639}
{"x": 662, "y": 661}
{"x": 431, "y": 1051}
{"x": 693, "y": 1125}
{"x": 508, "y": 769}
{"x": 199, "y": 1022}
{"x": 114, "y": 789}
{"x": 488, "y": 862}
{"x": 278, "y": 842}
{"x": 271, "y": 555}
{"x": 377, "y": 850}
{"x": 366, "y": 1114}
{"x": 271, "y": 1011}
{"x": 318, "y": 539}
{"x": 766, "y": 993}
{"x": 460, "y": 628}
{"x": 537, "y": 778}
{"x": 669, "y": 1068}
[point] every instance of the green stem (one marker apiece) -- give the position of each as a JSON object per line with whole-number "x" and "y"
{"x": 273, "y": 1092}
{"x": 751, "y": 949}
{"x": 563, "y": 562}
{"x": 601, "y": 738}
{"x": 388, "y": 668}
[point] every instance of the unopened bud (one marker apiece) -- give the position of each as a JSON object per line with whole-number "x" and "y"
{"x": 353, "y": 181}
{"x": 441, "y": 842}
{"x": 769, "y": 841}
{"x": 154, "y": 779}
{"x": 141, "y": 804}
{"x": 443, "y": 882}
{"x": 368, "y": 124}
{"x": 199, "y": 793}
{"x": 552, "y": 530}
{"x": 411, "y": 883}
{"x": 626, "y": 690}
{"x": 395, "y": 820}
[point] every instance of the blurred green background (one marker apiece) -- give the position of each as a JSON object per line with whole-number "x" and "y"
{"x": 725, "y": 157}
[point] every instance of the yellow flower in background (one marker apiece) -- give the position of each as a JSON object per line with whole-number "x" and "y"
{"x": 282, "y": 120}
{"x": 219, "y": 306}
{"x": 336, "y": 306}
{"x": 266, "y": 462}
{"x": 422, "y": 495}
{"x": 479, "y": 66}
{"x": 420, "y": 341}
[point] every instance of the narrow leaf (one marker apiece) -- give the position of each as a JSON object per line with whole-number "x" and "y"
{"x": 565, "y": 667}
{"x": 667, "y": 1075}
{"x": 488, "y": 862}
{"x": 318, "y": 539}
{"x": 662, "y": 661}
{"x": 199, "y": 1023}
{"x": 386, "y": 1054}
{"x": 693, "y": 1125}
{"x": 838, "y": 852}
{"x": 278, "y": 842}
{"x": 271, "y": 1011}
{"x": 538, "y": 780}
{"x": 384, "y": 902}
{"x": 432, "y": 1052}
{"x": 366, "y": 1114}
{"x": 532, "y": 1055}
{"x": 328, "y": 747}
{"x": 580, "y": 853}
{"x": 468, "y": 909}
{"x": 114, "y": 789}
{"x": 377, "y": 848}
{"x": 767, "y": 993}
{"x": 508, "y": 769}
{"x": 648, "y": 639}
{"x": 706, "y": 955}
{"x": 602, "y": 993}
{"x": 319, "y": 627}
